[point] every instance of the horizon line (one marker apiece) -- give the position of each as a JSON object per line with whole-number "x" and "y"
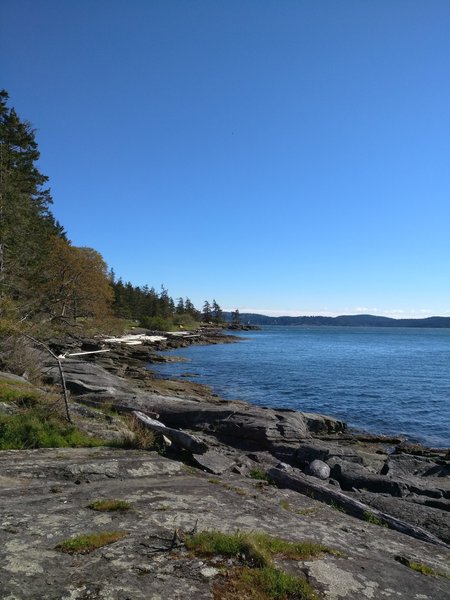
{"x": 399, "y": 315}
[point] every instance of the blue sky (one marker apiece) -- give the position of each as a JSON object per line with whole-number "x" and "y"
{"x": 285, "y": 157}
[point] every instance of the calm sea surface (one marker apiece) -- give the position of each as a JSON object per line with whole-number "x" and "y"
{"x": 391, "y": 381}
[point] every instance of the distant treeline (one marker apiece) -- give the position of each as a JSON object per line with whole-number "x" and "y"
{"x": 342, "y": 321}
{"x": 158, "y": 310}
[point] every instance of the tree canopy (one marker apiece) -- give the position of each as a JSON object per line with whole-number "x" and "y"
{"x": 44, "y": 278}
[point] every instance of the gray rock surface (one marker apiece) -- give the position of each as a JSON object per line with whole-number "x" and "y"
{"x": 231, "y": 420}
{"x": 44, "y": 496}
{"x": 414, "y": 487}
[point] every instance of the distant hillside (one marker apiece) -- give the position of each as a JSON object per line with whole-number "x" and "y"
{"x": 344, "y": 320}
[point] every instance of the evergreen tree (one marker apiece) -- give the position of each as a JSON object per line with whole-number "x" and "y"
{"x": 235, "y": 317}
{"x": 190, "y": 309}
{"x": 26, "y": 223}
{"x": 180, "y": 309}
{"x": 206, "y": 313}
{"x": 217, "y": 313}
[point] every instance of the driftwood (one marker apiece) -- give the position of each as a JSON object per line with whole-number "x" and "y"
{"x": 299, "y": 483}
{"x": 181, "y": 438}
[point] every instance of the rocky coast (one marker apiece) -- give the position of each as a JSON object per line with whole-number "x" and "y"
{"x": 380, "y": 504}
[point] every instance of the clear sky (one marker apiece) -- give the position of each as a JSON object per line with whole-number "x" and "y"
{"x": 280, "y": 156}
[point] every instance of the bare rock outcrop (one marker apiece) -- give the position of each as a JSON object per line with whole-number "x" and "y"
{"x": 45, "y": 497}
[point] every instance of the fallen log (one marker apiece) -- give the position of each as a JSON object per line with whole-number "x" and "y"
{"x": 300, "y": 483}
{"x": 181, "y": 438}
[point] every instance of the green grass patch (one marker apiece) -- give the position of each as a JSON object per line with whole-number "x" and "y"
{"x": 254, "y": 549}
{"x": 262, "y": 478}
{"x": 83, "y": 544}
{"x": 34, "y": 428}
{"x": 21, "y": 393}
{"x": 257, "y": 578}
{"x": 110, "y": 505}
{"x": 267, "y": 583}
{"x": 258, "y": 474}
{"x": 420, "y": 567}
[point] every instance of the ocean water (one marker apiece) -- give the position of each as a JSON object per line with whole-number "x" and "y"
{"x": 380, "y": 380}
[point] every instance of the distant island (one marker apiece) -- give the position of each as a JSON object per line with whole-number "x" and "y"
{"x": 341, "y": 321}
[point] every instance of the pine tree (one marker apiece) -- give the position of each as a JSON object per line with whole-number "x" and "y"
{"x": 180, "y": 308}
{"x": 217, "y": 314}
{"x": 206, "y": 312}
{"x": 26, "y": 223}
{"x": 190, "y": 309}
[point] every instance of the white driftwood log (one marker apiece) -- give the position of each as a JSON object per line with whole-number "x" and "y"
{"x": 181, "y": 438}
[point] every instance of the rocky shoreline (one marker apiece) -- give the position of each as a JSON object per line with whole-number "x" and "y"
{"x": 409, "y": 482}
{"x": 374, "y": 496}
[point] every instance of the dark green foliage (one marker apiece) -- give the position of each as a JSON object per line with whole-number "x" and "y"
{"x": 217, "y": 314}
{"x": 157, "y": 323}
{"x": 259, "y": 474}
{"x": 44, "y": 280}
{"x": 151, "y": 309}
{"x": 206, "y": 312}
{"x": 26, "y": 223}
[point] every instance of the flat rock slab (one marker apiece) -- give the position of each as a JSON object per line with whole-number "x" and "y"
{"x": 44, "y": 496}
{"x": 213, "y": 462}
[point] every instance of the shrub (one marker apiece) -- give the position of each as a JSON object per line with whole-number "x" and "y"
{"x": 186, "y": 321}
{"x": 142, "y": 437}
{"x": 261, "y": 476}
{"x": 157, "y": 323}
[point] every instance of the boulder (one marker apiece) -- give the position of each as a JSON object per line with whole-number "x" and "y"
{"x": 323, "y": 423}
{"x": 318, "y": 469}
{"x": 354, "y": 476}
